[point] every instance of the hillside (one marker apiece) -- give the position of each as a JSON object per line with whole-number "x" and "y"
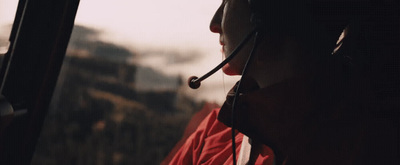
{"x": 101, "y": 114}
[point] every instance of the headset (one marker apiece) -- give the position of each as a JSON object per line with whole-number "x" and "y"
{"x": 257, "y": 18}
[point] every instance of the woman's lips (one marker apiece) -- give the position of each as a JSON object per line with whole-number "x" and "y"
{"x": 223, "y": 46}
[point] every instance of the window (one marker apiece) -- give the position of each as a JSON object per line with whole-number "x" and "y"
{"x": 7, "y": 14}
{"x": 122, "y": 96}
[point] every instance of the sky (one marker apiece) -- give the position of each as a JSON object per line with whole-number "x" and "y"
{"x": 7, "y": 10}
{"x": 157, "y": 22}
{"x": 173, "y": 25}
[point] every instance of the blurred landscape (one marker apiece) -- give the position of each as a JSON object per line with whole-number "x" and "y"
{"x": 127, "y": 104}
{"x": 107, "y": 111}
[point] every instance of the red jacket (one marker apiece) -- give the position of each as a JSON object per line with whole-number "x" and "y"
{"x": 211, "y": 144}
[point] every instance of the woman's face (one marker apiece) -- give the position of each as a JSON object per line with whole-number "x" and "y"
{"x": 232, "y": 22}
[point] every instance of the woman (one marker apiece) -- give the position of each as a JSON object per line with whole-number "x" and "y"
{"x": 302, "y": 99}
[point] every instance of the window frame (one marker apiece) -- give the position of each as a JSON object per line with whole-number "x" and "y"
{"x": 30, "y": 69}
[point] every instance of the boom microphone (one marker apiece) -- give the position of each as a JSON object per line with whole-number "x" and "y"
{"x": 195, "y": 82}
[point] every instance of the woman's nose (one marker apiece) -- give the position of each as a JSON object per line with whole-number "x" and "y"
{"x": 215, "y": 24}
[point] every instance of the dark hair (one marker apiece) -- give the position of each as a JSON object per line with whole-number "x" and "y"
{"x": 287, "y": 15}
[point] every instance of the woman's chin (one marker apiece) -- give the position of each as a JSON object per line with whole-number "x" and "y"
{"x": 229, "y": 70}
